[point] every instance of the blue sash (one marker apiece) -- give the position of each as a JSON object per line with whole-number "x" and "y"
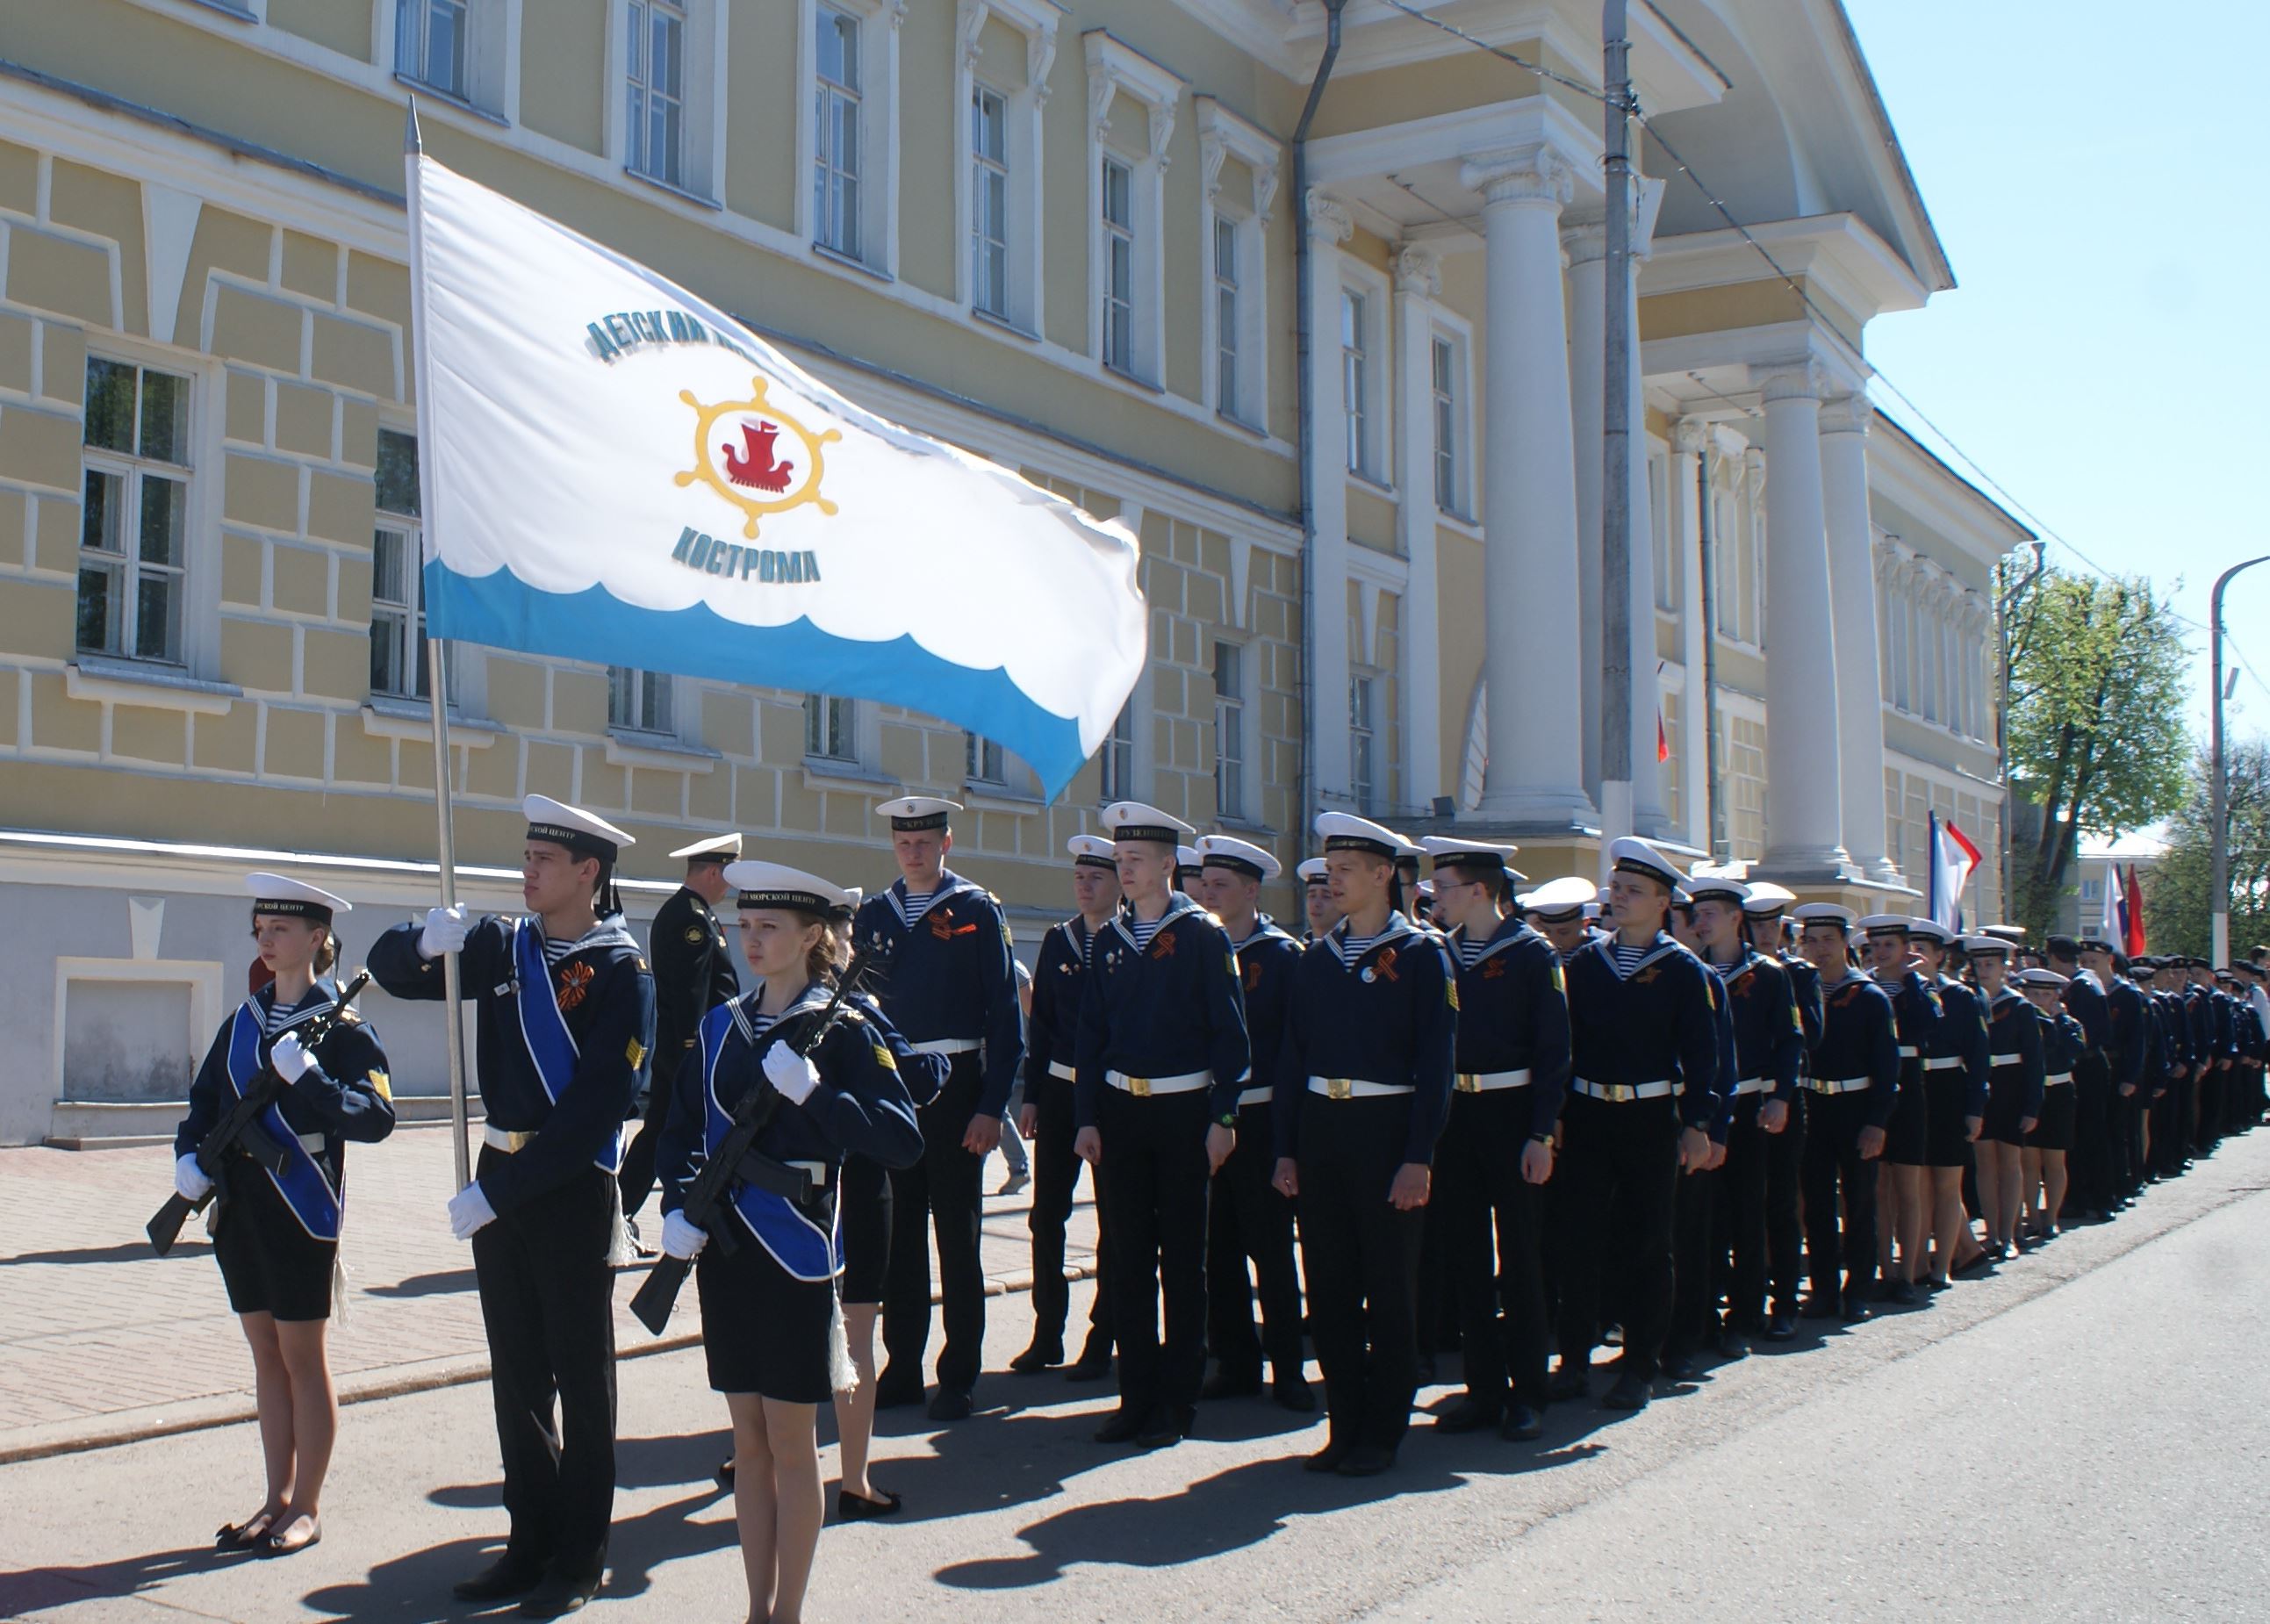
{"x": 306, "y": 1188}
{"x": 543, "y": 1030}
{"x": 798, "y": 1245}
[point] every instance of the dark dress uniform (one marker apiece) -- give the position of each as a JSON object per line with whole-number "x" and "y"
{"x": 1768, "y": 1054}
{"x": 694, "y": 973}
{"x": 562, "y": 1051}
{"x": 1915, "y": 1008}
{"x": 1052, "y": 1043}
{"x": 2065, "y": 1047}
{"x": 944, "y": 978}
{"x": 1785, "y": 1156}
{"x": 1855, "y": 1084}
{"x": 1698, "y": 1246}
{"x": 863, "y": 1203}
{"x": 275, "y": 1237}
{"x": 1248, "y": 1219}
{"x": 1363, "y": 1088}
{"x": 2126, "y": 1055}
{"x": 1162, "y": 1047}
{"x": 2171, "y": 1086}
{"x": 1956, "y": 1065}
{"x": 2014, "y": 1042}
{"x": 2091, "y": 1170}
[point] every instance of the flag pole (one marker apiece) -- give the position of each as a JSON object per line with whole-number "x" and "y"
{"x": 436, "y": 680}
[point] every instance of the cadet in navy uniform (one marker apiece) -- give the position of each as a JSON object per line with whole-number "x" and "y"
{"x": 1045, "y": 1119}
{"x": 1904, "y": 1214}
{"x": 939, "y": 949}
{"x": 566, "y": 1021}
{"x": 1496, "y": 1153}
{"x": 2090, "y": 1161}
{"x": 1162, "y": 1049}
{"x": 2049, "y": 1147}
{"x": 1248, "y": 1218}
{"x": 1316, "y": 910}
{"x": 1956, "y": 1063}
{"x": 1555, "y": 911}
{"x": 1765, "y": 914}
{"x": 1370, "y": 1037}
{"x": 771, "y": 1325}
{"x": 693, "y": 974}
{"x": 2013, "y": 1100}
{"x": 1187, "y": 869}
{"x": 1855, "y": 1087}
{"x": 277, "y": 1235}
{"x": 2127, "y": 1030}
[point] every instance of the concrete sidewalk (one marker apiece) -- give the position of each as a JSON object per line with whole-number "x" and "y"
{"x": 101, "y": 1341}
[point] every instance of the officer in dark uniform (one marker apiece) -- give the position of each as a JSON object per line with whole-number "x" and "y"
{"x": 1162, "y": 1053}
{"x": 567, "y": 1022}
{"x": 1644, "y": 1050}
{"x": 694, "y": 973}
{"x": 2126, "y": 1044}
{"x": 1046, "y": 1120}
{"x": 1764, "y": 914}
{"x": 939, "y": 952}
{"x": 1364, "y": 1086}
{"x": 1248, "y": 1221}
{"x": 1496, "y": 1155}
{"x": 1855, "y": 1084}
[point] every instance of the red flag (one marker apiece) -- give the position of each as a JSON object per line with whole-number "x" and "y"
{"x": 1662, "y": 743}
{"x": 2133, "y": 895}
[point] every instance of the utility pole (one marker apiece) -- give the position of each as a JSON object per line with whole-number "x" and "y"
{"x": 2006, "y": 609}
{"x": 1719, "y": 849}
{"x": 1615, "y": 439}
{"x": 2218, "y": 817}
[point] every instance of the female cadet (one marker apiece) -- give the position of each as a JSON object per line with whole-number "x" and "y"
{"x": 2014, "y": 1098}
{"x": 2063, "y": 1045}
{"x": 277, "y": 1234}
{"x": 771, "y": 1325}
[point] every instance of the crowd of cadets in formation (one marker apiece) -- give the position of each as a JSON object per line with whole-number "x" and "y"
{"x": 1672, "y": 1114}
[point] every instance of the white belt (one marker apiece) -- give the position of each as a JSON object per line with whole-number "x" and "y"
{"x": 1060, "y": 1068}
{"x": 1355, "y": 1088}
{"x": 1750, "y": 1085}
{"x": 2055, "y": 1078}
{"x": 1943, "y": 1062}
{"x": 1263, "y": 1095}
{"x": 1993, "y": 1060}
{"x": 947, "y": 1046}
{"x": 1482, "y": 1082}
{"x": 1143, "y": 1087}
{"x": 1839, "y": 1085}
{"x": 505, "y": 1139}
{"x": 1909, "y": 1051}
{"x": 1620, "y": 1093}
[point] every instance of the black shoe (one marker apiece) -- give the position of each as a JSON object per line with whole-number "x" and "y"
{"x": 951, "y": 1404}
{"x": 1093, "y": 1363}
{"x": 1293, "y": 1393}
{"x": 1167, "y": 1424}
{"x": 1631, "y": 1392}
{"x": 1899, "y": 1294}
{"x": 897, "y": 1392}
{"x": 1821, "y": 1305}
{"x": 1733, "y": 1345}
{"x": 851, "y": 1507}
{"x": 1038, "y": 1357}
{"x": 1855, "y": 1309}
{"x": 1124, "y": 1427}
{"x": 1469, "y": 1414}
{"x": 1781, "y": 1326}
{"x": 507, "y": 1576}
{"x": 1224, "y": 1385}
{"x": 1679, "y": 1366}
{"x": 1365, "y": 1463}
{"x": 1326, "y": 1460}
{"x": 1570, "y": 1381}
{"x": 725, "y": 1475}
{"x": 558, "y": 1596}
{"x": 1521, "y": 1425}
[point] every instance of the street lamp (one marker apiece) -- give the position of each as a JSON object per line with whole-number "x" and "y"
{"x": 2218, "y": 834}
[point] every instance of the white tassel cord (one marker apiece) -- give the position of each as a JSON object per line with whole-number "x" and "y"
{"x": 842, "y": 1375}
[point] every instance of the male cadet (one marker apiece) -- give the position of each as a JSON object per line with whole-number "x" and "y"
{"x": 939, "y": 949}
{"x": 1765, "y": 914}
{"x": 567, "y": 1019}
{"x": 694, "y": 973}
{"x": 1247, "y": 1219}
{"x": 1370, "y": 1036}
{"x": 1318, "y": 910}
{"x": 1957, "y": 1065}
{"x": 1855, "y": 1087}
{"x": 1555, "y": 911}
{"x": 1496, "y": 1152}
{"x": 1768, "y": 1053}
{"x": 2090, "y": 1162}
{"x": 1643, "y": 1046}
{"x": 1162, "y": 1049}
{"x": 2127, "y": 1034}
{"x": 2210, "y": 1036}
{"x": 1051, "y": 1045}
{"x": 1187, "y": 870}
{"x": 1904, "y": 1211}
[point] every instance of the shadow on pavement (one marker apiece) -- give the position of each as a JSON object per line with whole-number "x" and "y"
{"x": 24, "y": 1590}
{"x": 425, "y": 1284}
{"x": 125, "y": 1251}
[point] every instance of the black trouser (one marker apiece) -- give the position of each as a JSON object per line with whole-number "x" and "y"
{"x": 2092, "y": 1149}
{"x": 1832, "y": 1157}
{"x": 1250, "y": 1221}
{"x": 940, "y": 1191}
{"x": 1056, "y": 1175}
{"x": 1155, "y": 1201}
{"x": 1738, "y": 1250}
{"x": 2176, "y": 1146}
{"x": 1784, "y": 1154}
{"x": 1492, "y": 1230}
{"x": 2124, "y": 1118}
{"x": 1361, "y": 1259}
{"x": 1698, "y": 1246}
{"x": 1621, "y": 1165}
{"x": 547, "y": 1301}
{"x": 636, "y": 1179}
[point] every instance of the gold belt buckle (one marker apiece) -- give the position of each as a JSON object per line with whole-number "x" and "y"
{"x": 1338, "y": 1088}
{"x": 1139, "y": 1086}
{"x": 1469, "y": 1082}
{"x": 1622, "y": 1093}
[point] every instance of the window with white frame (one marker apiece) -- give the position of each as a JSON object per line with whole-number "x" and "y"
{"x": 433, "y": 44}
{"x": 1117, "y": 757}
{"x": 1669, "y": 576}
{"x": 830, "y": 727}
{"x": 1448, "y": 492}
{"x": 989, "y": 201}
{"x": 638, "y": 701}
{"x": 1227, "y": 318}
{"x": 1132, "y": 107}
{"x": 1118, "y": 265}
{"x": 1355, "y": 379}
{"x": 1230, "y": 729}
{"x": 1362, "y": 770}
{"x": 654, "y": 125}
{"x": 399, "y": 668}
{"x": 1005, "y": 51}
{"x": 1234, "y": 324}
{"x": 133, "y": 560}
{"x": 836, "y": 109}
{"x": 982, "y": 762}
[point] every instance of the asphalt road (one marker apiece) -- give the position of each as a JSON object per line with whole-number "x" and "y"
{"x": 2079, "y": 1437}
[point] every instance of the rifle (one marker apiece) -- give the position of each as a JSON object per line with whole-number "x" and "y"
{"x": 708, "y": 1199}
{"x": 241, "y": 1129}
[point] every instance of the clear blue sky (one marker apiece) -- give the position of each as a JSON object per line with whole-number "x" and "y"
{"x": 2104, "y": 211}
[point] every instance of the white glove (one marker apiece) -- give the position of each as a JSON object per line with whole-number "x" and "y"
{"x": 469, "y": 1210}
{"x": 189, "y": 1179}
{"x": 446, "y": 929}
{"x": 793, "y": 1074}
{"x": 682, "y": 1237}
{"x": 292, "y": 1062}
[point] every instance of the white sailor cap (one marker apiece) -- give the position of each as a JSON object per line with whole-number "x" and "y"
{"x": 911, "y": 812}
{"x": 1425, "y": 888}
{"x": 1766, "y": 899}
{"x": 1592, "y": 911}
{"x": 1559, "y": 900}
{"x": 1931, "y": 931}
{"x": 1705, "y": 883}
{"x": 1238, "y": 856}
{"x": 1979, "y": 943}
{"x": 572, "y": 827}
{"x": 776, "y": 885}
{"x": 1887, "y": 924}
{"x": 1312, "y": 873}
{"x": 1186, "y": 859}
{"x": 294, "y": 899}
{"x": 2040, "y": 980}
{"x": 1628, "y": 854}
{"x": 1410, "y": 851}
{"x": 1132, "y": 820}
{"x": 1346, "y": 831}
{"x": 1470, "y": 854}
{"x": 1825, "y": 913}
{"x": 1090, "y": 851}
{"x": 722, "y": 848}
{"x": 2013, "y": 934}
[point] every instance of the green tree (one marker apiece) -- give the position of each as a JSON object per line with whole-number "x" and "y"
{"x": 2178, "y": 895}
{"x": 2096, "y": 727}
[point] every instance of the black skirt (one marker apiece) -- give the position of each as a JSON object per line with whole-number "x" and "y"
{"x": 864, "y": 1197}
{"x": 269, "y": 1262}
{"x": 2005, "y": 1091}
{"x": 763, "y": 1330}
{"x": 1947, "y": 1132}
{"x": 2059, "y": 1108}
{"x": 1906, "y": 1135}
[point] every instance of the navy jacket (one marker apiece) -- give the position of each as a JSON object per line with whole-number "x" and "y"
{"x": 694, "y": 973}
{"x": 1171, "y": 1007}
{"x": 1915, "y": 1007}
{"x": 1961, "y": 1035}
{"x": 606, "y": 1000}
{"x": 1768, "y": 1024}
{"x": 1805, "y": 986}
{"x": 1513, "y": 1014}
{"x": 2014, "y": 1038}
{"x": 2084, "y": 1000}
{"x": 1859, "y": 1037}
{"x": 346, "y": 1094}
{"x": 2128, "y": 1031}
{"x": 1264, "y": 973}
{"x": 1052, "y": 1033}
{"x": 1660, "y": 1024}
{"x": 2064, "y": 1043}
{"x": 1388, "y": 1014}
{"x": 948, "y": 976}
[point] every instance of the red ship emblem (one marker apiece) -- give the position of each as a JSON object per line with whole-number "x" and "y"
{"x": 755, "y": 465}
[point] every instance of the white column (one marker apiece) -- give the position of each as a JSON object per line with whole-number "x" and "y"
{"x": 1329, "y": 226}
{"x": 1852, "y": 585}
{"x": 1535, "y": 773}
{"x": 1585, "y": 246}
{"x": 1418, "y": 283}
{"x": 1647, "y": 814}
{"x": 1689, "y": 439}
{"x": 1804, "y": 776}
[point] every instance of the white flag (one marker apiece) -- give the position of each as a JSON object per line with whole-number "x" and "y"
{"x": 616, "y": 469}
